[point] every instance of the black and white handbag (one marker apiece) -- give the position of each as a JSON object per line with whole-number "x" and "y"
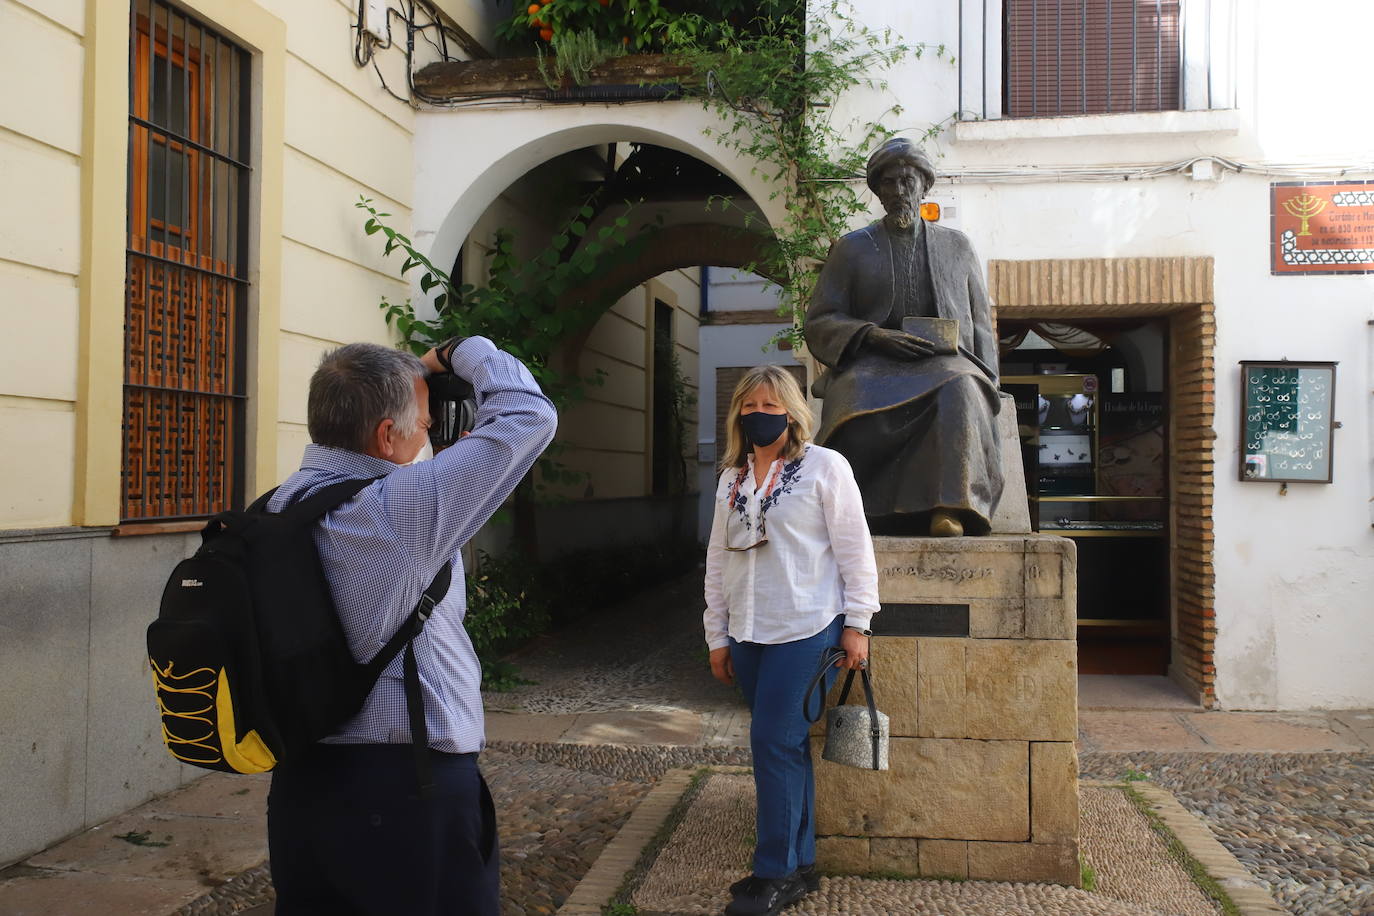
{"x": 856, "y": 736}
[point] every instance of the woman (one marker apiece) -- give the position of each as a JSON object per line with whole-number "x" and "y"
{"x": 789, "y": 574}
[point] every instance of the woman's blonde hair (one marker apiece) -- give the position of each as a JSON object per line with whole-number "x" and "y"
{"x": 785, "y": 388}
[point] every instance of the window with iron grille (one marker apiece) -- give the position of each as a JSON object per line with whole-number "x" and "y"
{"x": 186, "y": 288}
{"x": 1068, "y": 57}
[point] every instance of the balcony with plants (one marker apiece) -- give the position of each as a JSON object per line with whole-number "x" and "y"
{"x": 608, "y": 50}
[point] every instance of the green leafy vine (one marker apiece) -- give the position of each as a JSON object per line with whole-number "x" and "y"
{"x": 529, "y": 307}
{"x": 777, "y": 83}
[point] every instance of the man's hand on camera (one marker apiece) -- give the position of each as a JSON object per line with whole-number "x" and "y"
{"x": 440, "y": 358}
{"x": 899, "y": 344}
{"x": 431, "y": 362}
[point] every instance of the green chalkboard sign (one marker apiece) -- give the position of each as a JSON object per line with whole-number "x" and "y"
{"x": 1285, "y": 424}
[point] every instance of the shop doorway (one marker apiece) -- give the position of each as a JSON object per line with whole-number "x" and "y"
{"x": 1119, "y": 293}
{"x": 1092, "y": 414}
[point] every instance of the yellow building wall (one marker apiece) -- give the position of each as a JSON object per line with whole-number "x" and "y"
{"x": 326, "y": 132}
{"x": 40, "y": 240}
{"x": 345, "y": 137}
{"x": 608, "y": 436}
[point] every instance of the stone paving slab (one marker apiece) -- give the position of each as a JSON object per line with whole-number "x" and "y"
{"x": 208, "y": 831}
{"x": 677, "y": 726}
{"x": 1359, "y": 723}
{"x": 1273, "y": 732}
{"x": 1135, "y": 731}
{"x": 152, "y": 859}
{"x": 1127, "y": 691}
{"x": 70, "y": 893}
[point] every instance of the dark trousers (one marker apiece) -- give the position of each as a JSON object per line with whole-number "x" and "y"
{"x": 774, "y": 679}
{"x": 348, "y": 834}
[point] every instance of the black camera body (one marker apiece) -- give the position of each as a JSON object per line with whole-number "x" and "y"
{"x": 452, "y": 409}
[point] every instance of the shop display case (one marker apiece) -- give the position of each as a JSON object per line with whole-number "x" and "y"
{"x": 1095, "y": 470}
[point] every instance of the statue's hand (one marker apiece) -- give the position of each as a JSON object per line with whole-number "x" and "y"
{"x": 899, "y": 344}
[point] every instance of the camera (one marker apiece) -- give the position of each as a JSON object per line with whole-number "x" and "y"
{"x": 452, "y": 409}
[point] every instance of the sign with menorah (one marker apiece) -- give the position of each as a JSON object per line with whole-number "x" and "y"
{"x": 1322, "y": 227}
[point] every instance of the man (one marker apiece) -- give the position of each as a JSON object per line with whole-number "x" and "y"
{"x": 347, "y": 829}
{"x": 918, "y": 427}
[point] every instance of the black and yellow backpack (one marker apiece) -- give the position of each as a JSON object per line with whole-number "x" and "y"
{"x": 248, "y": 656}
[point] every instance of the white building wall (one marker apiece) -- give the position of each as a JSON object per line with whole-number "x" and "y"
{"x": 1294, "y": 573}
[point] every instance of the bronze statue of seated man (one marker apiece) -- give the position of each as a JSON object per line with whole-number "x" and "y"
{"x": 914, "y": 415}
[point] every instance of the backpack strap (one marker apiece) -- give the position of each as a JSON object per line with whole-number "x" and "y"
{"x": 313, "y": 507}
{"x": 405, "y": 637}
{"x": 322, "y": 500}
{"x": 305, "y": 510}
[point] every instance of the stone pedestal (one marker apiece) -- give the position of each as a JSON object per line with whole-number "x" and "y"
{"x": 974, "y": 660}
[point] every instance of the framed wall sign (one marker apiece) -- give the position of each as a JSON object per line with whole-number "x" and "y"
{"x": 1322, "y": 227}
{"x": 1286, "y": 422}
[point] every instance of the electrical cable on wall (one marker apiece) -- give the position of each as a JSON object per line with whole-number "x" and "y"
{"x": 366, "y": 45}
{"x": 1033, "y": 174}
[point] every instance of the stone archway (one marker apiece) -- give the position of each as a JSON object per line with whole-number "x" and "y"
{"x": 1179, "y": 289}
{"x": 674, "y": 247}
{"x": 691, "y": 245}
{"x": 466, "y": 158}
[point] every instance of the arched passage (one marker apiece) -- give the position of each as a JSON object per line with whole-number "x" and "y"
{"x": 690, "y": 245}
{"x": 466, "y": 159}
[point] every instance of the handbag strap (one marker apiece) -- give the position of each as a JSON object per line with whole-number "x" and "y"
{"x": 829, "y": 658}
{"x": 874, "y": 732}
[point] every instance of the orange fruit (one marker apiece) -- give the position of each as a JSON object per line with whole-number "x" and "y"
{"x": 538, "y": 24}
{"x": 533, "y": 10}
{"x": 546, "y": 34}
{"x": 625, "y": 40}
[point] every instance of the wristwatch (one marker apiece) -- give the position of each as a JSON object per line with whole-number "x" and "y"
{"x": 444, "y": 352}
{"x": 860, "y": 630}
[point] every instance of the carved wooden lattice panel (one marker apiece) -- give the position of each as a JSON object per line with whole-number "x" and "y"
{"x": 184, "y": 383}
{"x": 180, "y": 345}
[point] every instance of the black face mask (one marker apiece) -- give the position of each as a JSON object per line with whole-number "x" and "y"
{"x": 763, "y": 429}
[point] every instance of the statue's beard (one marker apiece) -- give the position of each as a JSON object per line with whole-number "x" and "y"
{"x": 901, "y": 213}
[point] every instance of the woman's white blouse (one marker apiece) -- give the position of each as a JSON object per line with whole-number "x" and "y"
{"x": 818, "y": 561}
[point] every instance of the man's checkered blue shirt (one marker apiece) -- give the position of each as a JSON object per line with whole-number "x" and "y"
{"x": 381, "y": 548}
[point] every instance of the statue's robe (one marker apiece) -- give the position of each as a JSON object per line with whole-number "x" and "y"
{"x": 920, "y": 434}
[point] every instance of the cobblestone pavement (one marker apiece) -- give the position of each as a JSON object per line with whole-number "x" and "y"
{"x": 645, "y": 653}
{"x": 557, "y": 806}
{"x": 712, "y": 845}
{"x": 1301, "y": 823}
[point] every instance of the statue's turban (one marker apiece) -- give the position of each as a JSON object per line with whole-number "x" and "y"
{"x": 899, "y": 149}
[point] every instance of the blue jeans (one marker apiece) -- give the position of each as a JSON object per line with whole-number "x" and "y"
{"x": 774, "y": 678}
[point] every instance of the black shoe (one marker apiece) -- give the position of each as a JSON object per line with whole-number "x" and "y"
{"x": 755, "y": 896}
{"x": 811, "y": 879}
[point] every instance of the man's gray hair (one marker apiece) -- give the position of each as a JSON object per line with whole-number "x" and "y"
{"x": 900, "y": 149}
{"x": 358, "y": 386}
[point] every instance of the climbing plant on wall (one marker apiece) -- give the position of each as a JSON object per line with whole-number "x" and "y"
{"x": 777, "y": 83}
{"x": 530, "y": 307}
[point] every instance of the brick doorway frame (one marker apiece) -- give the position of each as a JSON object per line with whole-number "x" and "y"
{"x": 1179, "y": 289}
